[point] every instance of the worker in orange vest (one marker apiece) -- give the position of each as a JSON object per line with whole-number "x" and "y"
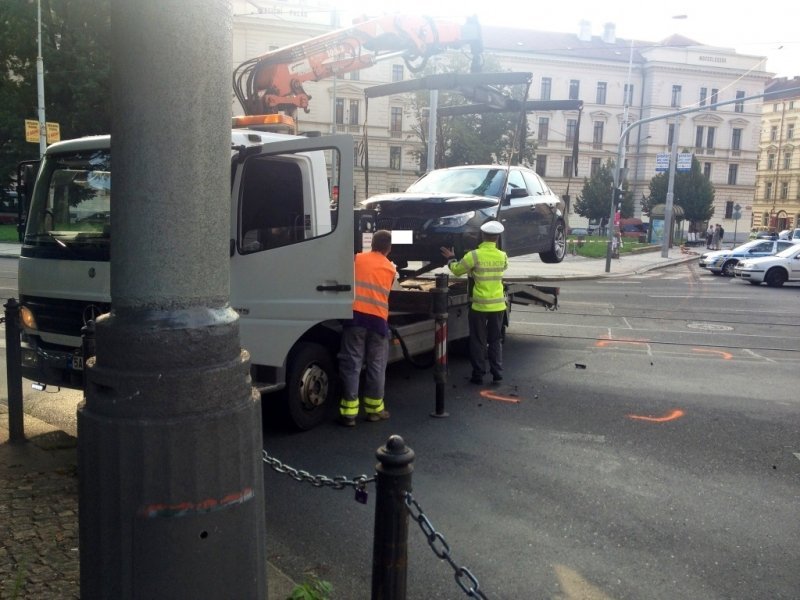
{"x": 365, "y": 337}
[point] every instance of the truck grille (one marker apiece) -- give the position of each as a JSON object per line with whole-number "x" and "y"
{"x": 64, "y": 317}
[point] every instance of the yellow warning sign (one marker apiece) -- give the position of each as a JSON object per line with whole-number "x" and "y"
{"x": 53, "y": 133}
{"x": 31, "y": 131}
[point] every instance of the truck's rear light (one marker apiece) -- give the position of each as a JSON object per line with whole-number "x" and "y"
{"x": 27, "y": 318}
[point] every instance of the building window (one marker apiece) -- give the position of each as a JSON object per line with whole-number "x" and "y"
{"x": 739, "y": 106}
{"x": 597, "y": 138}
{"x": 544, "y": 130}
{"x": 773, "y": 133}
{"x": 394, "y": 158}
{"x": 736, "y": 139}
{"x": 628, "y": 93}
{"x": 714, "y": 98}
{"x": 567, "y": 166}
{"x": 703, "y": 95}
{"x": 354, "y": 76}
{"x": 397, "y": 73}
{"x": 574, "y": 89}
{"x": 698, "y": 137}
{"x": 710, "y": 139}
{"x": 601, "y": 92}
{"x": 733, "y": 172}
{"x": 784, "y": 190}
{"x": 670, "y": 134}
{"x": 541, "y": 164}
{"x": 353, "y": 112}
{"x": 396, "y": 122}
{"x": 596, "y": 164}
{"x": 729, "y": 209}
{"x": 770, "y": 162}
{"x": 768, "y": 191}
{"x": 790, "y": 131}
{"x": 707, "y": 170}
{"x": 572, "y": 127}
{"x": 339, "y": 117}
{"x": 676, "y": 96}
{"x": 547, "y": 87}
{"x": 787, "y": 160}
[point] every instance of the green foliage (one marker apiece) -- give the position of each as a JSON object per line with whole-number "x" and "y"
{"x": 692, "y": 191}
{"x": 489, "y": 138}
{"x": 77, "y": 64}
{"x": 312, "y": 588}
{"x": 594, "y": 201}
{"x": 8, "y": 233}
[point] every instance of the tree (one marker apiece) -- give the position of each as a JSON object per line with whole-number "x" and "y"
{"x": 692, "y": 191}
{"x": 77, "y": 65}
{"x": 468, "y": 139}
{"x": 594, "y": 200}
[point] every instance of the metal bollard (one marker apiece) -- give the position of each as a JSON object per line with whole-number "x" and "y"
{"x": 16, "y": 422}
{"x": 87, "y": 346}
{"x": 440, "y": 293}
{"x": 390, "y": 549}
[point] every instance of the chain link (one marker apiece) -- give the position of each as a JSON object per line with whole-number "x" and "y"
{"x": 337, "y": 483}
{"x": 441, "y": 549}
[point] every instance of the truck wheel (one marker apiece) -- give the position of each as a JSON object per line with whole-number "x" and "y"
{"x": 775, "y": 277}
{"x": 310, "y": 385}
{"x": 727, "y": 268}
{"x": 558, "y": 245}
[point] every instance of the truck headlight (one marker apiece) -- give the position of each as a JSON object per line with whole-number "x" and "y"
{"x": 458, "y": 220}
{"x": 27, "y": 318}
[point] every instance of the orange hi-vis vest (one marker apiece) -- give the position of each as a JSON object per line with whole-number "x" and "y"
{"x": 374, "y": 275}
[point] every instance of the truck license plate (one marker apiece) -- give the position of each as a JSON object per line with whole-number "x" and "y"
{"x": 77, "y": 362}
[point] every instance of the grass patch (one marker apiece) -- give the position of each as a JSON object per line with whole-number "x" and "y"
{"x": 595, "y": 246}
{"x": 8, "y": 233}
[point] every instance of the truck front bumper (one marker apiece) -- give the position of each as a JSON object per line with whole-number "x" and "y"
{"x": 57, "y": 366}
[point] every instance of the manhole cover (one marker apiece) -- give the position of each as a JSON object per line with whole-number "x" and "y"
{"x": 710, "y": 327}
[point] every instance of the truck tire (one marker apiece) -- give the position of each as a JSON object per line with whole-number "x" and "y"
{"x": 311, "y": 383}
{"x": 558, "y": 245}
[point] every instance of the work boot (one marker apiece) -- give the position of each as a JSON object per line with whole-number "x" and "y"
{"x": 497, "y": 377}
{"x": 347, "y": 421}
{"x": 377, "y": 416}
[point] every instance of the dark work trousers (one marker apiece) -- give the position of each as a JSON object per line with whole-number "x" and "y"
{"x": 485, "y": 333}
{"x": 359, "y": 347}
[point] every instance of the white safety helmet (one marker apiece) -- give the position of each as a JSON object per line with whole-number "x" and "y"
{"x": 492, "y": 227}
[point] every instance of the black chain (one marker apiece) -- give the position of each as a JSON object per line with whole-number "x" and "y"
{"x": 441, "y": 549}
{"x": 337, "y": 483}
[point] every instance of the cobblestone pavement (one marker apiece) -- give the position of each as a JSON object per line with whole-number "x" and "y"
{"x": 38, "y": 516}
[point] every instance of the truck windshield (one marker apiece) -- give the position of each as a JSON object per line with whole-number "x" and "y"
{"x": 71, "y": 205}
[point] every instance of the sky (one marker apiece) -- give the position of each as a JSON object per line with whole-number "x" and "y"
{"x": 774, "y": 34}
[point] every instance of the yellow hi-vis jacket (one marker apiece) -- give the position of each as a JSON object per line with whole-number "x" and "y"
{"x": 486, "y": 265}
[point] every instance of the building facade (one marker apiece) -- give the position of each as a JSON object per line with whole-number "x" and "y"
{"x": 618, "y": 80}
{"x": 777, "y": 197}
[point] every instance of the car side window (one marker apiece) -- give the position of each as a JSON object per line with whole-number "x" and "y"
{"x": 535, "y": 185}
{"x": 762, "y": 247}
{"x": 784, "y": 245}
{"x": 515, "y": 180}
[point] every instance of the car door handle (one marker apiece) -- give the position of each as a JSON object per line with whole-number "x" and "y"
{"x": 336, "y": 287}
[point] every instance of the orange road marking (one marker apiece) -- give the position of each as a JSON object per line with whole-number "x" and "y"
{"x": 674, "y": 415}
{"x": 604, "y": 343}
{"x": 492, "y": 396}
{"x": 722, "y": 353}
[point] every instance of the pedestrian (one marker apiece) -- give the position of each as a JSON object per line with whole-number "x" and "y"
{"x": 485, "y": 266}
{"x": 365, "y": 337}
{"x": 715, "y": 237}
{"x": 709, "y": 236}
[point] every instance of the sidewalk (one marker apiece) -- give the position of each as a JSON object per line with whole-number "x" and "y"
{"x": 38, "y": 479}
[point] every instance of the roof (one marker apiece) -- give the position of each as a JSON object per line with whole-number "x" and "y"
{"x": 781, "y": 87}
{"x": 570, "y": 45}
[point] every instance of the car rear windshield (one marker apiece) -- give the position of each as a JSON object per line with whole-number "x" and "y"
{"x": 478, "y": 181}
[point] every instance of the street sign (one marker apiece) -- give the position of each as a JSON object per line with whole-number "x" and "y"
{"x": 53, "y": 133}
{"x": 684, "y": 161}
{"x": 32, "y": 131}
{"x": 662, "y": 162}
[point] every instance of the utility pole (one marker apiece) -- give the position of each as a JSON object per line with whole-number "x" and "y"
{"x": 673, "y": 159}
{"x": 171, "y": 498}
{"x": 40, "y": 83}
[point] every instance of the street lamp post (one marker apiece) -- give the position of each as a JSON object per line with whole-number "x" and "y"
{"x": 40, "y": 83}
{"x": 673, "y": 159}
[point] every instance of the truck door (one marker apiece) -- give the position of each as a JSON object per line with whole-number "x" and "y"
{"x": 292, "y": 249}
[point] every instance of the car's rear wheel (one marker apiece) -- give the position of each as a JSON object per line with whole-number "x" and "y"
{"x": 775, "y": 277}
{"x": 727, "y": 268}
{"x": 558, "y": 245}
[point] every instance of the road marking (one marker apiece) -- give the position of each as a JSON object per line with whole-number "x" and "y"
{"x": 722, "y": 353}
{"x": 709, "y": 326}
{"x": 489, "y": 395}
{"x": 796, "y": 455}
{"x": 675, "y": 414}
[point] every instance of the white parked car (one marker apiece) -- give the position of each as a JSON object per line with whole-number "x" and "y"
{"x": 773, "y": 270}
{"x": 723, "y": 261}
